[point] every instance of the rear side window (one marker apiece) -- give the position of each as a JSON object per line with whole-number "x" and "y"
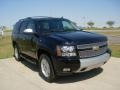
{"x": 16, "y": 27}
{"x": 23, "y": 26}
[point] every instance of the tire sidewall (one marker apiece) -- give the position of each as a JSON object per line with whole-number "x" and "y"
{"x": 52, "y": 74}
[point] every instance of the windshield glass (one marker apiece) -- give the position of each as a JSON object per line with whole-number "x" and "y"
{"x": 68, "y": 25}
{"x": 55, "y": 25}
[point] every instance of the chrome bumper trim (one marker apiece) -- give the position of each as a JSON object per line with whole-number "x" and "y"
{"x": 94, "y": 62}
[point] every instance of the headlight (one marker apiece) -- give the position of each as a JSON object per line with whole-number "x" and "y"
{"x": 66, "y": 51}
{"x": 67, "y": 48}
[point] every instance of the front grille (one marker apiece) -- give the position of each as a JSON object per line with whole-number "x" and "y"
{"x": 86, "y": 50}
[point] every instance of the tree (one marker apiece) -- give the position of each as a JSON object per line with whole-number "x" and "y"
{"x": 3, "y": 27}
{"x": 91, "y": 24}
{"x": 110, "y": 23}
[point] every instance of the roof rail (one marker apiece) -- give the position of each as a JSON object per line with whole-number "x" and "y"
{"x": 40, "y": 17}
{"x": 37, "y": 17}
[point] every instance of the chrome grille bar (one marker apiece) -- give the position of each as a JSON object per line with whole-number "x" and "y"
{"x": 85, "y": 46}
{"x": 86, "y": 50}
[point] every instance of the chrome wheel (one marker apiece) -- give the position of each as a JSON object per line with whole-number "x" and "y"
{"x": 16, "y": 53}
{"x": 45, "y": 68}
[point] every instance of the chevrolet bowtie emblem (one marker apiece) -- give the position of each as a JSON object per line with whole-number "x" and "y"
{"x": 95, "y": 48}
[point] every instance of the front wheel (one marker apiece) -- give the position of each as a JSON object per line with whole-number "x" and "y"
{"x": 45, "y": 68}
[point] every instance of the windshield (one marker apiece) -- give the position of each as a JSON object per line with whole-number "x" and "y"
{"x": 56, "y": 25}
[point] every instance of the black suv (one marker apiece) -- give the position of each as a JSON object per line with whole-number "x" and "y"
{"x": 58, "y": 46}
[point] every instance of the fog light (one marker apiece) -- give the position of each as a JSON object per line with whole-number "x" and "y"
{"x": 66, "y": 69}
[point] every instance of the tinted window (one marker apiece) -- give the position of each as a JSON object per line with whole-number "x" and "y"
{"x": 48, "y": 25}
{"x": 31, "y": 25}
{"x": 23, "y": 26}
{"x": 16, "y": 27}
{"x": 67, "y": 25}
{"x": 43, "y": 25}
{"x": 57, "y": 25}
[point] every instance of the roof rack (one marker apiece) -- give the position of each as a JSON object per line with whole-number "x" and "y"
{"x": 40, "y": 17}
{"x": 37, "y": 17}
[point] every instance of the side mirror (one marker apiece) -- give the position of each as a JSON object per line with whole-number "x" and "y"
{"x": 28, "y": 30}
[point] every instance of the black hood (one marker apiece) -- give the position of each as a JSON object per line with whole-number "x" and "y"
{"x": 78, "y": 37}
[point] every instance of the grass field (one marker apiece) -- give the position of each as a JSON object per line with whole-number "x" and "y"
{"x": 116, "y": 46}
{"x": 6, "y": 49}
{"x": 115, "y": 50}
{"x": 111, "y": 33}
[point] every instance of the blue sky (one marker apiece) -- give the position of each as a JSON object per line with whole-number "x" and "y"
{"x": 80, "y": 11}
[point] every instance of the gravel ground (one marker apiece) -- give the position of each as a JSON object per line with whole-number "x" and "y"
{"x": 24, "y": 76}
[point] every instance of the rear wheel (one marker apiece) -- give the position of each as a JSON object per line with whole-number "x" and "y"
{"x": 17, "y": 53}
{"x": 46, "y": 69}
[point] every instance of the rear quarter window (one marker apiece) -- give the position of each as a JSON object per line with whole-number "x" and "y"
{"x": 16, "y": 27}
{"x": 23, "y": 26}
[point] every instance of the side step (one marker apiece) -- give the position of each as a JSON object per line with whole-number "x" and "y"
{"x": 31, "y": 61}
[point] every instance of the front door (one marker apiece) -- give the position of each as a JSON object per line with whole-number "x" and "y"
{"x": 30, "y": 41}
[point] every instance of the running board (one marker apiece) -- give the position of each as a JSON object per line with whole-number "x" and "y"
{"x": 27, "y": 59}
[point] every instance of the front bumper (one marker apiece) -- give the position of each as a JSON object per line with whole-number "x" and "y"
{"x": 94, "y": 62}
{"x": 77, "y": 65}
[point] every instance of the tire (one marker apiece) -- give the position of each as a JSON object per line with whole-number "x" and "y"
{"x": 17, "y": 53}
{"x": 46, "y": 70}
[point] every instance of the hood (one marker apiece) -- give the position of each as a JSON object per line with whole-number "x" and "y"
{"x": 78, "y": 37}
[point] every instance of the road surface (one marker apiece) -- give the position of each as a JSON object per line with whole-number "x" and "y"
{"x": 16, "y": 75}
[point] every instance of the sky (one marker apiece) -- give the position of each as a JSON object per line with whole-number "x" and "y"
{"x": 79, "y": 11}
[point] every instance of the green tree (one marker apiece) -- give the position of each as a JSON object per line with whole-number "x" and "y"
{"x": 91, "y": 24}
{"x": 110, "y": 23}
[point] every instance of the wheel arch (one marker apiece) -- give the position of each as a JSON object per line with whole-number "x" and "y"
{"x": 43, "y": 51}
{"x": 14, "y": 43}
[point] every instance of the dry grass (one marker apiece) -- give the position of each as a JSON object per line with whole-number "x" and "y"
{"x": 115, "y": 50}
{"x": 110, "y": 33}
{"x": 114, "y": 47}
{"x": 6, "y": 49}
